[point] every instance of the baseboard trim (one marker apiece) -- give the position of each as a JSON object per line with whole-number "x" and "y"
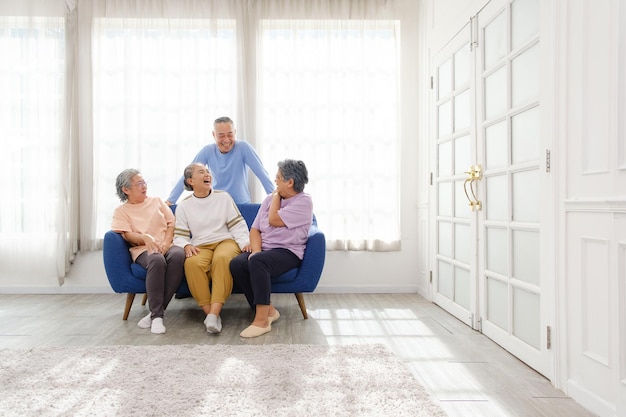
{"x": 327, "y": 289}
{"x": 590, "y": 400}
{"x": 368, "y": 289}
{"x": 56, "y": 290}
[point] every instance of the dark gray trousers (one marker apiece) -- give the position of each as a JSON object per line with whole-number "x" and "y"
{"x": 163, "y": 277}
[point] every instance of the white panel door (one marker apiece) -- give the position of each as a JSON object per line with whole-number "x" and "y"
{"x": 489, "y": 180}
{"x": 513, "y": 308}
{"x": 454, "y": 150}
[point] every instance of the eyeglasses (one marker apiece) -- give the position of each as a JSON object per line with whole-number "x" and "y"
{"x": 141, "y": 184}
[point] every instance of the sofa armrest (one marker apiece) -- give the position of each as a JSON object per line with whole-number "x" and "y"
{"x": 117, "y": 262}
{"x": 313, "y": 261}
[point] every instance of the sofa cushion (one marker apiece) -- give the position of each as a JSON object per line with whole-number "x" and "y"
{"x": 138, "y": 271}
{"x": 286, "y": 277}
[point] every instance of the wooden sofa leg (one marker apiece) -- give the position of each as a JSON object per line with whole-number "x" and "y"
{"x": 130, "y": 297}
{"x": 300, "y": 299}
{"x": 144, "y": 299}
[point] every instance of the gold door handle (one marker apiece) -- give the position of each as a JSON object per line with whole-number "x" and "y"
{"x": 475, "y": 173}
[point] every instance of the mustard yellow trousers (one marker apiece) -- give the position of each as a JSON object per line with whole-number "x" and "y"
{"x": 208, "y": 272}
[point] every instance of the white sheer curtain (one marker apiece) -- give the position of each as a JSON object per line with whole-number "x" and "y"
{"x": 328, "y": 94}
{"x": 37, "y": 234}
{"x": 315, "y": 80}
{"x": 158, "y": 84}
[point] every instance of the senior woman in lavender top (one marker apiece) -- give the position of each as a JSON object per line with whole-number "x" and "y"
{"x": 277, "y": 240}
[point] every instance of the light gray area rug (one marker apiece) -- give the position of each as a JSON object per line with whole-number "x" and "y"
{"x": 209, "y": 380}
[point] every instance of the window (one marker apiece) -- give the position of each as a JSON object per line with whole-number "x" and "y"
{"x": 158, "y": 85}
{"x": 328, "y": 95}
{"x": 33, "y": 160}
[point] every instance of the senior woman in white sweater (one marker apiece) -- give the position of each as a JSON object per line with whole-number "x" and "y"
{"x": 211, "y": 231}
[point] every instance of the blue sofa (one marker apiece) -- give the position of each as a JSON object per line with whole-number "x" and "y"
{"x": 128, "y": 277}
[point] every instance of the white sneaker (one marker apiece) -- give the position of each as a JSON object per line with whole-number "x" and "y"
{"x": 157, "y": 326}
{"x": 213, "y": 323}
{"x": 145, "y": 322}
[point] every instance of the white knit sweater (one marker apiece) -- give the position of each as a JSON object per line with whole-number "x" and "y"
{"x": 201, "y": 221}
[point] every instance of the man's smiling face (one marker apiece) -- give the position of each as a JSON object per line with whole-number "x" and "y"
{"x": 225, "y": 136}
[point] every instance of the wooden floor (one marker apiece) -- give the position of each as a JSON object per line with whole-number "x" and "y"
{"x": 466, "y": 372}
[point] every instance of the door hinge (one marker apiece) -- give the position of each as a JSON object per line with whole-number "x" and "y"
{"x": 548, "y": 337}
{"x": 473, "y": 34}
{"x": 432, "y": 82}
{"x": 547, "y": 160}
{"x": 431, "y": 179}
{"x": 431, "y": 277}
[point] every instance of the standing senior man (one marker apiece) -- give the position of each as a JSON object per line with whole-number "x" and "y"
{"x": 229, "y": 160}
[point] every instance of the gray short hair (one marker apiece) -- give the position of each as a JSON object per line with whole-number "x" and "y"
{"x": 295, "y": 170}
{"x": 125, "y": 180}
{"x": 189, "y": 172}
{"x": 223, "y": 119}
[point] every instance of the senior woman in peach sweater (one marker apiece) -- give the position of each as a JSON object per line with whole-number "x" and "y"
{"x": 147, "y": 224}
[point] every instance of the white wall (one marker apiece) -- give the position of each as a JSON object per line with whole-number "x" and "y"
{"x": 593, "y": 221}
